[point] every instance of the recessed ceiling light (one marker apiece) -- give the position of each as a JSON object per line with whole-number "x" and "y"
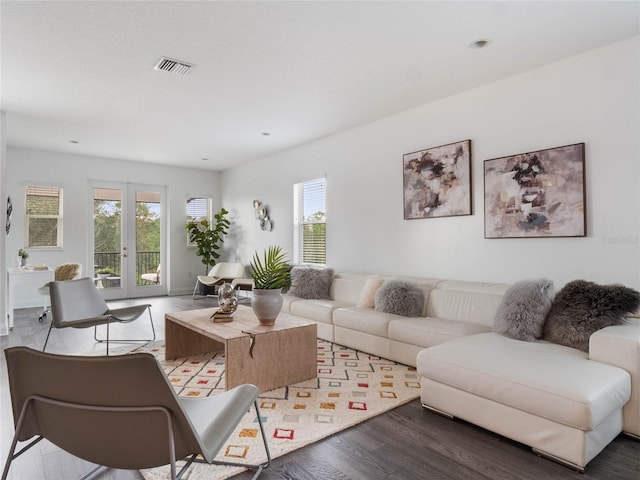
{"x": 265, "y": 134}
{"x": 205, "y": 159}
{"x": 479, "y": 43}
{"x": 74, "y": 141}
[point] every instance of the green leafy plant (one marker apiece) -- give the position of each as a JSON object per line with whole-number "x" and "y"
{"x": 22, "y": 253}
{"x": 104, "y": 271}
{"x": 208, "y": 238}
{"x": 271, "y": 271}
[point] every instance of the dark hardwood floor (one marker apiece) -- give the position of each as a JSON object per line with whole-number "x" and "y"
{"x": 408, "y": 443}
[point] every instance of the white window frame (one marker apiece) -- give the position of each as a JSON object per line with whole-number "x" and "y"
{"x": 299, "y": 220}
{"x": 208, "y": 215}
{"x": 27, "y": 217}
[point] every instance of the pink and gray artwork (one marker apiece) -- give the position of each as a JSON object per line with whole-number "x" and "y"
{"x": 437, "y": 181}
{"x": 536, "y": 194}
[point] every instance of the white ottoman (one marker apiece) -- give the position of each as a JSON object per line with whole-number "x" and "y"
{"x": 550, "y": 397}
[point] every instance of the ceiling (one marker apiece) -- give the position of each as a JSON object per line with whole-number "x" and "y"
{"x": 82, "y": 71}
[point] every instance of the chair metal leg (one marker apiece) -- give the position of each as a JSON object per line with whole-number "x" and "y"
{"x": 195, "y": 289}
{"x": 11, "y": 455}
{"x": 186, "y": 466}
{"x": 200, "y": 297}
{"x": 124, "y": 340}
{"x": 259, "y": 467}
{"x": 95, "y": 472}
{"x": 48, "y": 333}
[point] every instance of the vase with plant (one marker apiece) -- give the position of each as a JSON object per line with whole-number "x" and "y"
{"x": 22, "y": 256}
{"x": 271, "y": 273}
{"x": 104, "y": 272}
{"x": 208, "y": 237}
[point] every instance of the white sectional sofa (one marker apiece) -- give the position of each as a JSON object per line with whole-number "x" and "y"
{"x": 564, "y": 403}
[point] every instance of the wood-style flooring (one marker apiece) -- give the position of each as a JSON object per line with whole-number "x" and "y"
{"x": 408, "y": 443}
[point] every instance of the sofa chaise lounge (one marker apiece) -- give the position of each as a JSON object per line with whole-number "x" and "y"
{"x": 564, "y": 403}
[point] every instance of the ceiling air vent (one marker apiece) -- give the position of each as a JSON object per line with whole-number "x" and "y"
{"x": 177, "y": 67}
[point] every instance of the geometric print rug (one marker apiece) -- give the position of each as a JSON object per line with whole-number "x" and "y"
{"x": 351, "y": 387}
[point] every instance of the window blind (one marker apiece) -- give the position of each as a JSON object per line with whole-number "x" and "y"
{"x": 309, "y": 237}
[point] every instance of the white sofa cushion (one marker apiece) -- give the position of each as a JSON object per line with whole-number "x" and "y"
{"x": 619, "y": 345}
{"x": 427, "y": 332}
{"x": 551, "y": 381}
{"x": 316, "y": 310}
{"x": 287, "y": 300}
{"x": 346, "y": 287}
{"x": 464, "y": 306}
{"x": 364, "y": 320}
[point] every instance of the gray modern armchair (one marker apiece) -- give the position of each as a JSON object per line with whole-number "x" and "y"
{"x": 119, "y": 412}
{"x": 62, "y": 273}
{"x": 78, "y": 304}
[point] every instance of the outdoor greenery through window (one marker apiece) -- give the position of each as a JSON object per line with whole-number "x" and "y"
{"x": 198, "y": 209}
{"x": 309, "y": 222}
{"x": 148, "y": 225}
{"x": 43, "y": 217}
{"x": 107, "y": 228}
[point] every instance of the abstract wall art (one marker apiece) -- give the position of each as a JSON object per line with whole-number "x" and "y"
{"x": 437, "y": 181}
{"x": 536, "y": 194}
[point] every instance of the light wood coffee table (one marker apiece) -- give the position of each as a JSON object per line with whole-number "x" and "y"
{"x": 268, "y": 357}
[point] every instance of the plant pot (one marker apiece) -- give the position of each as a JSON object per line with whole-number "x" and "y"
{"x": 23, "y": 261}
{"x": 266, "y": 305}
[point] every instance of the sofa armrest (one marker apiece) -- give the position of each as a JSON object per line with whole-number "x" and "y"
{"x": 619, "y": 345}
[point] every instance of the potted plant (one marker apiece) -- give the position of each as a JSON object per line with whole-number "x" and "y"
{"x": 208, "y": 238}
{"x": 23, "y": 255}
{"x": 270, "y": 273}
{"x": 104, "y": 272}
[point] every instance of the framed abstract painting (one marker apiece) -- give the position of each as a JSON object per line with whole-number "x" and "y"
{"x": 437, "y": 181}
{"x": 536, "y": 194}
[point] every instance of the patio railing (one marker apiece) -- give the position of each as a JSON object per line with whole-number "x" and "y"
{"x": 146, "y": 262}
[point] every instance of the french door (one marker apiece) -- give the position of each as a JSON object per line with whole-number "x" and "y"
{"x": 127, "y": 239}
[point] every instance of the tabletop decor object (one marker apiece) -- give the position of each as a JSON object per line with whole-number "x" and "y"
{"x": 271, "y": 273}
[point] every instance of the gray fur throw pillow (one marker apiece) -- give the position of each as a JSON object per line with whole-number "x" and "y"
{"x": 524, "y": 308}
{"x": 401, "y": 298}
{"x": 582, "y": 307}
{"x": 311, "y": 282}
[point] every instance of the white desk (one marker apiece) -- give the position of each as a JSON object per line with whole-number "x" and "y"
{"x": 22, "y": 288}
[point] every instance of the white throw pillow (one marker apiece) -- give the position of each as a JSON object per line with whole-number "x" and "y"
{"x": 371, "y": 286}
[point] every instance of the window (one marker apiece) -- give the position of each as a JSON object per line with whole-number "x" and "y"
{"x": 198, "y": 209}
{"x": 43, "y": 217}
{"x": 309, "y": 222}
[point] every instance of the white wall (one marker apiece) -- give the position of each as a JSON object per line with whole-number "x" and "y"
{"x": 592, "y": 98}
{"x": 73, "y": 173}
{"x": 3, "y": 216}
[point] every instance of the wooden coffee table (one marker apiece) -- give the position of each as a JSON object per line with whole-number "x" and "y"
{"x": 268, "y": 357}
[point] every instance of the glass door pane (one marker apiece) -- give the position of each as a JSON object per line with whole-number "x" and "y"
{"x": 128, "y": 240}
{"x": 145, "y": 256}
{"x": 148, "y": 236}
{"x": 107, "y": 239}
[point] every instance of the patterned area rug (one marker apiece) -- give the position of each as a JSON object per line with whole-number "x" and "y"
{"x": 351, "y": 387}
